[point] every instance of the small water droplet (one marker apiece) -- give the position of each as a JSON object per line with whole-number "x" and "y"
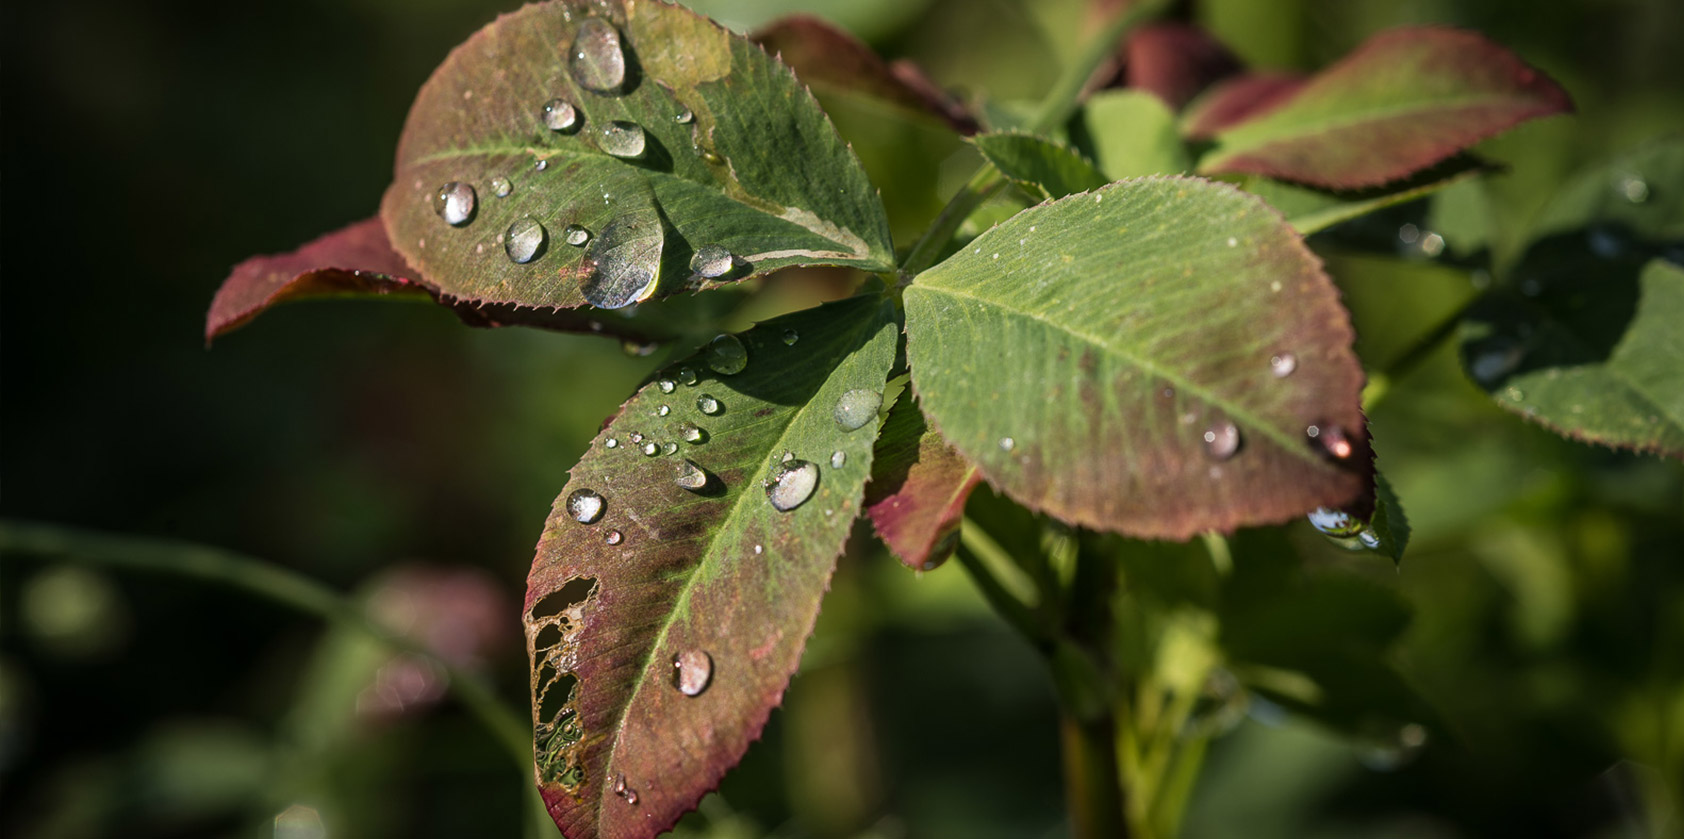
{"x": 651, "y": 448}
{"x": 792, "y": 484}
{"x": 621, "y": 139}
{"x": 712, "y": 262}
{"x": 684, "y": 117}
{"x": 560, "y": 115}
{"x": 788, "y": 456}
{"x": 838, "y": 458}
{"x": 1369, "y": 538}
{"x": 636, "y": 438}
{"x": 687, "y": 376}
{"x": 611, "y": 443}
{"x": 669, "y": 447}
{"x": 455, "y": 203}
{"x": 1515, "y": 393}
{"x": 1634, "y": 189}
{"x": 691, "y": 432}
{"x": 524, "y": 240}
{"x": 666, "y": 385}
{"x": 726, "y": 355}
{"x": 856, "y": 408}
{"x": 708, "y": 405}
{"x": 541, "y": 164}
{"x": 585, "y": 506}
{"x": 1282, "y": 365}
{"x": 758, "y": 550}
{"x": 690, "y": 476}
{"x": 790, "y": 337}
{"x": 1332, "y": 439}
{"x": 501, "y": 187}
{"x": 614, "y": 537}
{"x": 1337, "y": 523}
{"x": 692, "y": 672}
{"x": 1007, "y": 444}
{"x": 597, "y": 60}
{"x": 662, "y": 411}
{"x": 1222, "y": 440}
{"x": 576, "y": 235}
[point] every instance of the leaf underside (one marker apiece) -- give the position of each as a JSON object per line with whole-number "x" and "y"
{"x": 919, "y": 486}
{"x": 1127, "y": 329}
{"x": 717, "y": 126}
{"x": 717, "y": 571}
{"x": 1402, "y": 101}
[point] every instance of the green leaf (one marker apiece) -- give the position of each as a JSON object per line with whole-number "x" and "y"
{"x": 1390, "y": 525}
{"x": 687, "y": 560}
{"x": 919, "y": 486}
{"x": 1160, "y": 357}
{"x": 1583, "y": 335}
{"x": 1131, "y": 133}
{"x": 1310, "y": 210}
{"x": 1045, "y": 168}
{"x": 672, "y": 138}
{"x": 1402, "y": 101}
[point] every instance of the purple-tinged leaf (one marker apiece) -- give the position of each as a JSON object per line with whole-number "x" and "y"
{"x": 1400, "y": 102}
{"x": 1236, "y": 100}
{"x": 681, "y": 570}
{"x": 1176, "y": 61}
{"x": 825, "y": 56}
{"x": 919, "y": 486}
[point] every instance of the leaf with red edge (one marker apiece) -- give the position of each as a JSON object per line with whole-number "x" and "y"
{"x": 1167, "y": 358}
{"x": 1176, "y": 61}
{"x": 827, "y": 57}
{"x": 686, "y": 557}
{"x": 1236, "y": 100}
{"x": 919, "y": 486}
{"x": 1404, "y": 100}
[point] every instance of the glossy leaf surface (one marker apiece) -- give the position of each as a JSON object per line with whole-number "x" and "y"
{"x": 1171, "y": 359}
{"x": 1045, "y": 168}
{"x": 919, "y": 486}
{"x": 671, "y": 596}
{"x": 1402, "y": 101}
{"x": 637, "y": 135}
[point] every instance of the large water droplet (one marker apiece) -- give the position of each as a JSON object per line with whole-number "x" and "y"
{"x": 792, "y": 484}
{"x": 525, "y": 240}
{"x": 708, "y": 405}
{"x": 1222, "y": 440}
{"x": 455, "y": 203}
{"x": 691, "y": 432}
{"x": 560, "y": 115}
{"x": 651, "y": 448}
{"x": 690, "y": 476}
{"x": 611, "y": 443}
{"x": 692, "y": 671}
{"x": 576, "y": 235}
{"x": 627, "y": 260}
{"x": 669, "y": 447}
{"x": 501, "y": 187}
{"x": 1336, "y": 523}
{"x": 585, "y": 506}
{"x": 1282, "y": 365}
{"x": 856, "y": 408}
{"x": 666, "y": 385}
{"x": 726, "y": 355}
{"x": 712, "y": 262}
{"x": 621, "y": 139}
{"x": 597, "y": 60}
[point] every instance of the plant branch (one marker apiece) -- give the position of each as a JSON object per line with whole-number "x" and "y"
{"x": 980, "y": 556}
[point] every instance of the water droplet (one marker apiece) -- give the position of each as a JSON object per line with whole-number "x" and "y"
{"x": 758, "y": 550}
{"x": 1007, "y": 444}
{"x": 541, "y": 165}
{"x": 1515, "y": 393}
{"x": 598, "y": 62}
{"x": 726, "y": 355}
{"x": 690, "y": 476}
{"x": 669, "y": 447}
{"x": 1282, "y": 365}
{"x": 662, "y": 411}
{"x": 614, "y": 537}
{"x": 455, "y": 203}
{"x": 1222, "y": 440}
{"x": 576, "y": 236}
{"x": 687, "y": 376}
{"x": 636, "y": 438}
{"x": 620, "y": 785}
{"x": 501, "y": 187}
{"x": 585, "y": 506}
{"x": 1336, "y": 523}
{"x": 712, "y": 262}
{"x": 666, "y": 385}
{"x": 627, "y": 261}
{"x": 708, "y": 405}
{"x": 524, "y": 240}
{"x": 856, "y": 408}
{"x": 792, "y": 484}
{"x": 1634, "y": 189}
{"x": 790, "y": 337}
{"x": 1369, "y": 539}
{"x": 631, "y": 796}
{"x": 611, "y": 443}
{"x": 692, "y": 671}
{"x": 788, "y": 456}
{"x": 621, "y": 139}
{"x": 1332, "y": 439}
{"x": 838, "y": 458}
{"x": 691, "y": 432}
{"x": 651, "y": 448}
{"x": 560, "y": 115}
{"x": 684, "y": 117}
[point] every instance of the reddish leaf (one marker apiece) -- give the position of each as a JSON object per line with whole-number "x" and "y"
{"x": 823, "y": 55}
{"x": 1175, "y": 61}
{"x": 1401, "y": 102}
{"x": 919, "y": 486}
{"x": 1236, "y": 100}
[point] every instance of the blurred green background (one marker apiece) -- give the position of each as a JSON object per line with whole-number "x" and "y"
{"x": 384, "y": 449}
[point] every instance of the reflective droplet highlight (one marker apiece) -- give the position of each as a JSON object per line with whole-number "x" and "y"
{"x": 455, "y": 203}
{"x": 524, "y": 240}
{"x": 666, "y": 385}
{"x": 651, "y": 448}
{"x": 792, "y": 484}
{"x": 614, "y": 537}
{"x": 856, "y": 408}
{"x": 837, "y": 458}
{"x": 708, "y": 405}
{"x": 712, "y": 262}
{"x": 691, "y": 432}
{"x": 576, "y": 236}
{"x": 585, "y": 506}
{"x": 790, "y": 337}
{"x": 597, "y": 60}
{"x": 684, "y": 117}
{"x": 501, "y": 187}
{"x": 1007, "y": 444}
{"x": 1222, "y": 440}
{"x": 560, "y": 115}
{"x": 1282, "y": 365}
{"x": 621, "y": 139}
{"x": 1336, "y": 523}
{"x": 1332, "y": 440}
{"x": 691, "y": 476}
{"x": 626, "y": 261}
{"x": 662, "y": 411}
{"x": 692, "y": 672}
{"x": 687, "y": 376}
{"x": 726, "y": 355}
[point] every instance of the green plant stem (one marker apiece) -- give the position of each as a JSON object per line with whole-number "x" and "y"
{"x": 1093, "y": 789}
{"x": 980, "y": 556}
{"x": 274, "y": 584}
{"x": 1405, "y": 362}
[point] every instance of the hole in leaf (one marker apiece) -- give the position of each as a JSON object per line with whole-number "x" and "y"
{"x": 547, "y": 637}
{"x": 554, "y": 696}
{"x": 574, "y": 593}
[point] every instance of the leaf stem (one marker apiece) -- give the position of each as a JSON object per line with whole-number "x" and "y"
{"x": 1405, "y": 362}
{"x": 272, "y": 583}
{"x": 989, "y": 566}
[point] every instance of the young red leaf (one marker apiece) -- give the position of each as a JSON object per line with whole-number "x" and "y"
{"x": 1175, "y": 61}
{"x": 1236, "y": 100}
{"x": 919, "y": 486}
{"x": 825, "y": 56}
{"x": 681, "y": 570}
{"x": 1402, "y": 101}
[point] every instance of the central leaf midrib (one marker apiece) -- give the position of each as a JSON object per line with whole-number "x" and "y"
{"x": 1181, "y": 384}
